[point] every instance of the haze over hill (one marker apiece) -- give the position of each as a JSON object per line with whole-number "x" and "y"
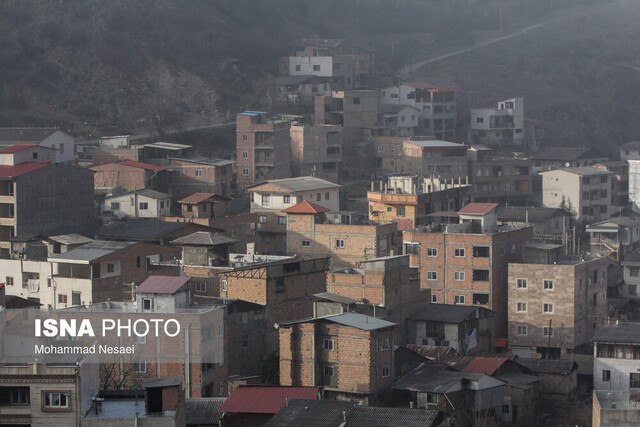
{"x": 117, "y": 66}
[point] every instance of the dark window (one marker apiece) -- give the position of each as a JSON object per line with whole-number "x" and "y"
{"x": 75, "y": 298}
{"x": 481, "y": 299}
{"x": 356, "y": 100}
{"x": 634, "y": 380}
{"x": 606, "y": 375}
{"x": 480, "y": 275}
{"x": 481, "y": 251}
{"x": 138, "y": 262}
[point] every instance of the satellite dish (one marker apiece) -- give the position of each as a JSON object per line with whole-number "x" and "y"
{"x": 566, "y": 165}
{"x": 538, "y": 356}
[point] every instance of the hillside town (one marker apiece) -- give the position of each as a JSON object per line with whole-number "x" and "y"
{"x": 395, "y": 256}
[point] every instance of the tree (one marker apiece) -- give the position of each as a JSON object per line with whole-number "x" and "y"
{"x": 567, "y": 206}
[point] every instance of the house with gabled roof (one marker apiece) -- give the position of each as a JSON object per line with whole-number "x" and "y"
{"x": 129, "y": 175}
{"x": 139, "y": 204}
{"x": 60, "y": 141}
{"x": 279, "y": 194}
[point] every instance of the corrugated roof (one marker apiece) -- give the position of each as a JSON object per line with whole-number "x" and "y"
{"x": 203, "y": 410}
{"x": 153, "y": 194}
{"x": 534, "y": 214}
{"x": 22, "y": 168}
{"x": 265, "y": 400}
{"x": 92, "y": 251}
{"x": 204, "y": 238}
{"x": 329, "y": 296}
{"x": 449, "y": 313}
{"x": 436, "y": 144}
{"x": 162, "y": 284}
{"x": 372, "y": 416}
{"x": 203, "y": 161}
{"x": 567, "y": 154}
{"x": 141, "y": 165}
{"x": 548, "y": 366}
{"x": 484, "y": 365}
{"x": 17, "y": 148}
{"x": 311, "y": 413}
{"x": 70, "y": 239}
{"x": 355, "y": 320}
{"x": 167, "y": 146}
{"x": 35, "y": 135}
{"x": 301, "y": 183}
{"x": 518, "y": 379}
{"x": 306, "y": 207}
{"x": 142, "y": 229}
{"x": 621, "y": 333}
{"x": 162, "y": 382}
{"x": 197, "y": 198}
{"x": 437, "y": 353}
{"x": 478, "y": 208}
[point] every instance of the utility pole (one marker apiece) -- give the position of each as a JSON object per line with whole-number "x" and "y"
{"x": 549, "y": 342}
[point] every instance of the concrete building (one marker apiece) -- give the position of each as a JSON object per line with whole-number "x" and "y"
{"x": 280, "y": 194}
{"x": 634, "y": 184}
{"x": 504, "y": 179}
{"x": 435, "y": 102}
{"x": 585, "y": 190}
{"x": 289, "y": 91}
{"x": 61, "y": 142}
{"x": 41, "y": 197}
{"x": 630, "y": 151}
{"x": 619, "y": 182}
{"x": 316, "y": 151}
{"x": 408, "y": 200}
{"x": 499, "y": 127}
{"x": 350, "y": 355}
{"x": 129, "y": 175}
{"x": 631, "y": 275}
{"x": 466, "y": 263}
{"x": 400, "y": 120}
{"x": 548, "y": 223}
{"x": 200, "y": 175}
{"x": 556, "y": 306}
{"x": 615, "y": 237}
{"x": 139, "y": 204}
{"x": 310, "y": 233}
{"x": 616, "y": 352}
{"x": 446, "y": 160}
{"x": 263, "y": 148}
{"x": 615, "y": 409}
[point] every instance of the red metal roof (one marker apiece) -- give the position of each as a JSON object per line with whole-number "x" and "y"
{"x": 162, "y": 284}
{"x": 22, "y": 168}
{"x": 306, "y": 208}
{"x": 141, "y": 165}
{"x": 501, "y": 342}
{"x": 484, "y": 365}
{"x": 265, "y": 400}
{"x": 197, "y": 197}
{"x": 478, "y": 208}
{"x": 17, "y": 148}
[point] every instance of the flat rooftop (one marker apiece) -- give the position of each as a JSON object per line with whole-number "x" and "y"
{"x": 126, "y": 408}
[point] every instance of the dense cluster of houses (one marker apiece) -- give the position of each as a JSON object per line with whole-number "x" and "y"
{"x": 354, "y": 266}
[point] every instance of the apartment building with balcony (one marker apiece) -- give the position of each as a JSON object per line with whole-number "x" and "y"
{"x": 263, "y": 148}
{"x": 466, "y": 263}
{"x": 499, "y": 127}
{"x": 41, "y": 197}
{"x": 317, "y": 151}
{"x": 617, "y": 354}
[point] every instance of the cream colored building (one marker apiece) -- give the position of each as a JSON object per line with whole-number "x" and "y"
{"x": 278, "y": 194}
{"x": 587, "y": 190}
{"x": 139, "y": 204}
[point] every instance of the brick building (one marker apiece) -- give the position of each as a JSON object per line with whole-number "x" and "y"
{"x": 308, "y": 233}
{"x": 200, "y": 175}
{"x": 316, "y": 151}
{"x": 349, "y": 354}
{"x": 279, "y": 194}
{"x": 263, "y": 148}
{"x": 129, "y": 175}
{"x": 466, "y": 263}
{"x": 498, "y": 178}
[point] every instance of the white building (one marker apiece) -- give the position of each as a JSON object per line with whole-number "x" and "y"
{"x": 63, "y": 143}
{"x": 587, "y": 190}
{"x": 502, "y": 126}
{"x": 630, "y": 151}
{"x": 139, "y": 204}
{"x": 279, "y": 194}
{"x": 617, "y": 358}
{"x": 634, "y": 184}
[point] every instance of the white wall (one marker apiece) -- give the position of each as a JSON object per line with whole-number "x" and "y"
{"x": 306, "y": 64}
{"x": 64, "y": 145}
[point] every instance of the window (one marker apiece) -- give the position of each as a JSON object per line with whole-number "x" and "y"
{"x": 111, "y": 268}
{"x": 9, "y": 281}
{"x": 20, "y": 396}
{"x": 548, "y": 285}
{"x": 177, "y": 172}
{"x": 34, "y": 156}
{"x": 315, "y": 68}
{"x": 287, "y": 199}
{"x": 400, "y": 211}
{"x": 634, "y": 380}
{"x": 266, "y": 201}
{"x": 245, "y": 341}
{"x": 139, "y": 340}
{"x": 282, "y": 220}
{"x": 198, "y": 172}
{"x": 458, "y": 275}
{"x": 459, "y": 299}
{"x": 306, "y": 243}
{"x": 434, "y": 298}
{"x": 380, "y": 149}
{"x": 326, "y": 196}
{"x": 245, "y": 154}
{"x": 547, "y": 308}
{"x": 634, "y": 271}
{"x": 432, "y": 252}
{"x": 144, "y": 206}
{"x": 521, "y": 283}
{"x": 480, "y": 275}
{"x": 62, "y": 299}
{"x": 140, "y": 367}
{"x": 61, "y": 148}
{"x": 458, "y": 252}
{"x": 245, "y": 137}
{"x": 327, "y": 371}
{"x": 481, "y": 252}
{"x": 297, "y": 68}
{"x": 633, "y": 290}
{"x": 318, "y": 197}
{"x": 115, "y": 206}
{"x": 138, "y": 262}
{"x": 262, "y": 219}
{"x": 339, "y": 243}
{"x": 521, "y": 330}
{"x": 479, "y": 119}
{"x": 201, "y": 287}
{"x": 75, "y": 298}
{"x": 606, "y": 375}
{"x": 481, "y": 299}
{"x": 56, "y": 399}
{"x": 245, "y": 171}
{"x": 328, "y": 344}
{"x": 432, "y": 275}
{"x": 521, "y": 307}
{"x": 547, "y": 331}
{"x": 503, "y": 251}
{"x": 146, "y": 304}
{"x": 356, "y": 100}
{"x": 385, "y": 372}
{"x": 384, "y": 345}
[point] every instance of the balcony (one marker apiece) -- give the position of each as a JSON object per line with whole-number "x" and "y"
{"x": 7, "y": 222}
{"x": 7, "y": 199}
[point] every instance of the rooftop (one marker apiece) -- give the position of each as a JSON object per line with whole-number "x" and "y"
{"x": 162, "y": 284}
{"x": 201, "y": 197}
{"x": 142, "y": 229}
{"x": 153, "y": 194}
{"x": 22, "y": 168}
{"x": 92, "y": 251}
{"x": 203, "y": 238}
{"x": 329, "y": 296}
{"x": 436, "y": 144}
{"x": 435, "y": 378}
{"x": 167, "y": 146}
{"x": 25, "y": 135}
{"x": 265, "y": 399}
{"x": 301, "y": 183}
{"x": 306, "y": 207}
{"x": 70, "y": 239}
{"x": 567, "y": 153}
{"x": 202, "y": 410}
{"x": 478, "y": 208}
{"x": 524, "y": 213}
{"x": 548, "y": 366}
{"x": 17, "y": 148}
{"x": 141, "y": 165}
{"x": 449, "y": 313}
{"x": 622, "y": 333}
{"x": 124, "y": 409}
{"x": 618, "y": 400}
{"x": 354, "y": 320}
{"x": 583, "y": 171}
{"x": 205, "y": 161}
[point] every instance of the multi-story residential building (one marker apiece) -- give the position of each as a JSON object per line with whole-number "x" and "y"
{"x": 616, "y": 237}
{"x": 316, "y": 151}
{"x": 129, "y": 175}
{"x": 504, "y": 179}
{"x": 634, "y": 184}
{"x": 585, "y": 191}
{"x": 139, "y": 204}
{"x": 619, "y": 182}
{"x": 574, "y": 157}
{"x": 400, "y": 120}
{"x": 349, "y": 354}
{"x": 630, "y": 151}
{"x": 263, "y": 148}
{"x": 285, "y": 288}
{"x": 41, "y": 197}
{"x": 333, "y": 61}
{"x": 548, "y": 223}
{"x": 279, "y": 194}
{"x": 617, "y": 351}
{"x": 631, "y": 275}
{"x": 61, "y": 142}
{"x": 556, "y": 306}
{"x": 499, "y": 127}
{"x": 466, "y": 263}
{"x": 611, "y": 407}
{"x": 435, "y": 102}
{"x": 200, "y": 175}
{"x": 309, "y": 233}
{"x": 298, "y": 90}
{"x": 408, "y": 200}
